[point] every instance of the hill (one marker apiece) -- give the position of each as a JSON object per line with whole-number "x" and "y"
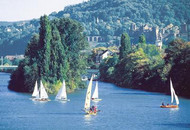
{"x": 106, "y": 18}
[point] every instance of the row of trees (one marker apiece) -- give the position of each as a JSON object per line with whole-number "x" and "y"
{"x": 145, "y": 67}
{"x": 51, "y": 56}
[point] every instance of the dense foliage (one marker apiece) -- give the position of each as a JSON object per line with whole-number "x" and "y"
{"x": 53, "y": 55}
{"x": 100, "y": 17}
{"x": 14, "y": 36}
{"x": 148, "y": 68}
{"x": 125, "y": 45}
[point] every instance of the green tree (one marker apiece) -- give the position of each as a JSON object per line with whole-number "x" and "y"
{"x": 132, "y": 68}
{"x": 32, "y": 47}
{"x": 74, "y": 41}
{"x": 16, "y": 61}
{"x": 107, "y": 68}
{"x": 178, "y": 58}
{"x": 125, "y": 47}
{"x": 44, "y": 45}
{"x": 7, "y": 62}
{"x": 142, "y": 41}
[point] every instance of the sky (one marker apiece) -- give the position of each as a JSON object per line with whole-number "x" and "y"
{"x": 17, "y": 10}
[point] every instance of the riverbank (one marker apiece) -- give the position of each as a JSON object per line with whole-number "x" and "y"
{"x": 164, "y": 89}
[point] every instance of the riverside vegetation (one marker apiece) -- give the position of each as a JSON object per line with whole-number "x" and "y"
{"x": 145, "y": 67}
{"x": 52, "y": 55}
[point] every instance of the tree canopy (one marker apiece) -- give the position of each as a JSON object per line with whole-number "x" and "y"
{"x": 147, "y": 68}
{"x": 53, "y": 55}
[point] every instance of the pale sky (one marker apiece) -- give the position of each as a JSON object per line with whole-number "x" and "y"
{"x": 16, "y": 10}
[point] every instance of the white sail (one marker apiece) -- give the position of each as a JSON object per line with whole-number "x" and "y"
{"x": 36, "y": 91}
{"x": 62, "y": 92}
{"x": 43, "y": 93}
{"x": 176, "y": 99}
{"x": 171, "y": 89}
{"x": 173, "y": 94}
{"x": 95, "y": 94}
{"x": 88, "y": 95}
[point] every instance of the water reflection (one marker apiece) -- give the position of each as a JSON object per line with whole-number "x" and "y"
{"x": 38, "y": 102}
{"x": 87, "y": 119}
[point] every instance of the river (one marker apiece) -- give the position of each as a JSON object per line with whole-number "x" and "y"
{"x": 121, "y": 109}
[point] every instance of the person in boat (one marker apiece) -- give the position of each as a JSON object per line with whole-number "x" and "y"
{"x": 163, "y": 104}
{"x": 168, "y": 104}
{"x": 94, "y": 109}
{"x": 90, "y": 111}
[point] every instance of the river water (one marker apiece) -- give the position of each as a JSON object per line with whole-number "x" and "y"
{"x": 121, "y": 109}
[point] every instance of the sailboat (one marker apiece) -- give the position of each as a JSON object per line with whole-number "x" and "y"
{"x": 62, "y": 95}
{"x": 173, "y": 96}
{"x": 95, "y": 94}
{"x": 88, "y": 99}
{"x": 42, "y": 95}
{"x": 36, "y": 91}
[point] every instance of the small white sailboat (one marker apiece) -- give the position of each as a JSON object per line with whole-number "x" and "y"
{"x": 62, "y": 95}
{"x": 42, "y": 96}
{"x": 173, "y": 96}
{"x": 95, "y": 94}
{"x": 36, "y": 91}
{"x": 88, "y": 99}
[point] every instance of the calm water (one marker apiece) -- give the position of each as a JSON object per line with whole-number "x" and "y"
{"x": 120, "y": 109}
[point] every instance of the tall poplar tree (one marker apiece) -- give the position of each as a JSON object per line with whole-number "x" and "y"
{"x": 58, "y": 65}
{"x": 74, "y": 41}
{"x": 44, "y": 44}
{"x": 125, "y": 45}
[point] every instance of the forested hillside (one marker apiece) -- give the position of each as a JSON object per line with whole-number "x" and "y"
{"x": 102, "y": 17}
{"x": 116, "y": 16}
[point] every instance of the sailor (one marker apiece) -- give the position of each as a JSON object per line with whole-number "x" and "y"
{"x": 90, "y": 110}
{"x": 95, "y": 109}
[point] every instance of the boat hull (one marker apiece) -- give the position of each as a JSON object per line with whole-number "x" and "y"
{"x": 169, "y": 106}
{"x": 44, "y": 100}
{"x": 90, "y": 113}
{"x": 62, "y": 100}
{"x": 96, "y": 100}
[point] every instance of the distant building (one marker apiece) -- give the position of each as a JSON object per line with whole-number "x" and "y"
{"x": 102, "y": 55}
{"x": 133, "y": 27}
{"x": 154, "y": 35}
{"x": 151, "y": 33}
{"x": 185, "y": 31}
{"x": 9, "y": 57}
{"x": 12, "y": 57}
{"x": 19, "y": 57}
{"x": 95, "y": 39}
{"x": 159, "y": 44}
